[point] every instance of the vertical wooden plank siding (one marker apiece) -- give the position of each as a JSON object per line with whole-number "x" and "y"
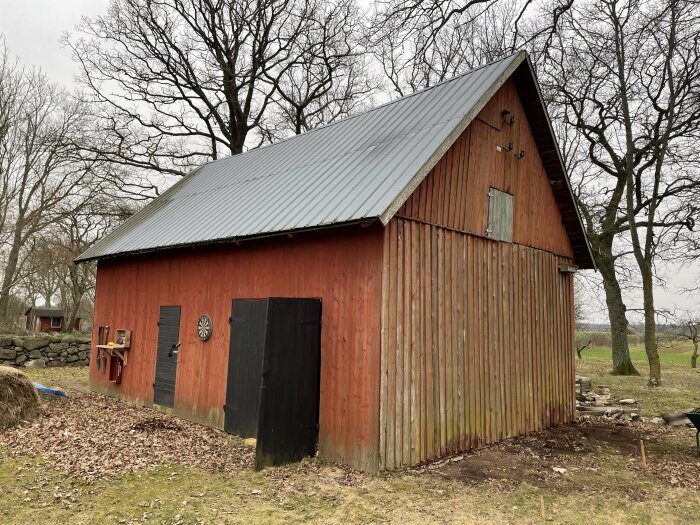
{"x": 343, "y": 267}
{"x": 499, "y": 367}
{"x": 455, "y": 193}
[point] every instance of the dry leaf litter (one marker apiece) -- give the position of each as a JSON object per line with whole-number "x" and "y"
{"x": 95, "y": 436}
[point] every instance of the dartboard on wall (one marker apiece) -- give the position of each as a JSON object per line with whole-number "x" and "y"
{"x": 204, "y": 327}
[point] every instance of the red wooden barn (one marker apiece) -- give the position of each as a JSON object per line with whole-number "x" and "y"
{"x": 391, "y": 287}
{"x": 47, "y": 319}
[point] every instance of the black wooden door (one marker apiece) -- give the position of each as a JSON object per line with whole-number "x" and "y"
{"x": 166, "y": 356}
{"x": 289, "y": 395}
{"x": 246, "y": 350}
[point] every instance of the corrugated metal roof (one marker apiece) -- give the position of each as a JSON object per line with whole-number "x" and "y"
{"x": 358, "y": 168}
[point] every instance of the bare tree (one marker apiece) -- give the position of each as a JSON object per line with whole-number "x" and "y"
{"x": 44, "y": 177}
{"x": 625, "y": 76}
{"x": 421, "y": 40}
{"x": 684, "y": 324}
{"x": 36, "y": 275}
{"x": 182, "y": 82}
{"x": 11, "y": 92}
{"x": 418, "y": 44}
{"x": 73, "y": 235}
{"x": 329, "y": 79}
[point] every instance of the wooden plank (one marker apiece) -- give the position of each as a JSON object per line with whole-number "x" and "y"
{"x": 508, "y": 348}
{"x": 491, "y": 313}
{"x": 448, "y": 308}
{"x": 435, "y": 343}
{"x": 456, "y": 351}
{"x": 415, "y": 338}
{"x": 406, "y": 403}
{"x": 400, "y": 307}
{"x": 463, "y": 349}
{"x": 385, "y": 342}
{"x": 437, "y": 195}
{"x": 421, "y": 340}
{"x": 483, "y": 348}
{"x": 504, "y": 338}
{"x": 532, "y": 365}
{"x": 471, "y": 322}
{"x": 430, "y": 346}
{"x": 572, "y": 370}
{"x": 448, "y": 182}
{"x": 535, "y": 342}
{"x": 461, "y": 174}
{"x": 441, "y": 337}
{"x": 391, "y": 352}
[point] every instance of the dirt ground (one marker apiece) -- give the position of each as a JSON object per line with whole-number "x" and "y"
{"x": 94, "y": 459}
{"x": 544, "y": 457}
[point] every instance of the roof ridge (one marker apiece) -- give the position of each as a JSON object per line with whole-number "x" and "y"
{"x": 374, "y": 108}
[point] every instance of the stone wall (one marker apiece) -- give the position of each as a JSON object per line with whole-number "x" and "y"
{"x": 41, "y": 350}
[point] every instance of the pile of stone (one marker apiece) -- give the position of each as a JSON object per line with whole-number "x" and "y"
{"x": 42, "y": 350}
{"x": 600, "y": 402}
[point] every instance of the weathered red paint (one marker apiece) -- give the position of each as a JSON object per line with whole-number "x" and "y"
{"x": 460, "y": 339}
{"x": 341, "y": 266}
{"x": 477, "y": 335}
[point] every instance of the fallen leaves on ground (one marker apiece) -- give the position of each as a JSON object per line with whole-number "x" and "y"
{"x": 95, "y": 436}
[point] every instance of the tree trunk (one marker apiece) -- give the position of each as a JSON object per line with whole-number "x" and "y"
{"x": 694, "y": 357}
{"x": 71, "y": 317}
{"x": 76, "y": 296}
{"x": 622, "y": 363}
{"x": 9, "y": 275}
{"x": 71, "y": 313}
{"x": 650, "y": 345}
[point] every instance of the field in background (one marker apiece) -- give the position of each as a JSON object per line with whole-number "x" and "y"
{"x": 680, "y": 387}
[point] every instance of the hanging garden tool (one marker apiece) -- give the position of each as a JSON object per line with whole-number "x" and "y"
{"x": 97, "y": 349}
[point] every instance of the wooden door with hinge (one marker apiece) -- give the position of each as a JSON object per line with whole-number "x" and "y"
{"x": 273, "y": 388}
{"x": 245, "y": 361}
{"x": 166, "y": 356}
{"x": 290, "y": 390}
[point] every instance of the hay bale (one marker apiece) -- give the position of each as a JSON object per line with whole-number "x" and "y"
{"x": 19, "y": 400}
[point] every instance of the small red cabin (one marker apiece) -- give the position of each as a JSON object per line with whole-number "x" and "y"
{"x": 389, "y": 288}
{"x": 47, "y": 319}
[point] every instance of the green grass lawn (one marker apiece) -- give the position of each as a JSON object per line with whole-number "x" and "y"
{"x": 604, "y": 480}
{"x": 680, "y": 388}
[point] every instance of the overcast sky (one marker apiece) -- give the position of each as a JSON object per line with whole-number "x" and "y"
{"x": 33, "y": 28}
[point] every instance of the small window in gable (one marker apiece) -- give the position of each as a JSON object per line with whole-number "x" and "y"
{"x": 500, "y": 225}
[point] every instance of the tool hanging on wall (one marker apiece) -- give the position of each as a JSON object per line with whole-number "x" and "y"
{"x": 97, "y": 350}
{"x": 104, "y": 354}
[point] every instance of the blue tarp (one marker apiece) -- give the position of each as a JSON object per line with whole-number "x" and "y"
{"x": 47, "y": 390}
